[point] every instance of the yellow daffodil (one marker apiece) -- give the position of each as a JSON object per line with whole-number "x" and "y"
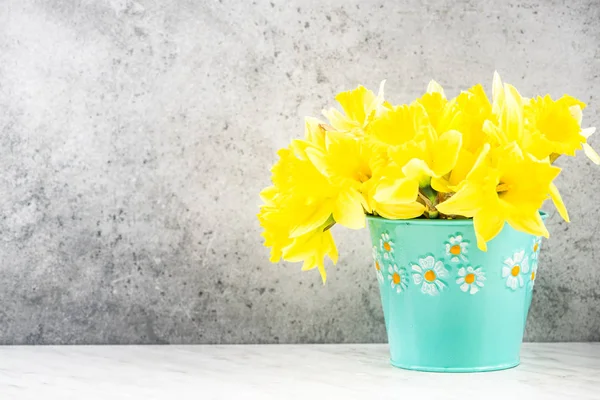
{"x": 436, "y": 106}
{"x": 433, "y": 158}
{"x": 498, "y": 190}
{"x": 555, "y": 128}
{"x": 473, "y": 109}
{"x": 359, "y": 105}
{"x": 398, "y": 125}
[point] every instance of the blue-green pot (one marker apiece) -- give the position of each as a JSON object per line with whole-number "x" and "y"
{"x": 448, "y": 306}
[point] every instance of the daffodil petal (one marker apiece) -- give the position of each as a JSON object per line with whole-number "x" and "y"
{"x": 531, "y": 223}
{"x": 338, "y": 120}
{"x": 558, "y": 202}
{"x": 591, "y": 153}
{"x": 445, "y": 152}
{"x": 317, "y": 216}
{"x": 417, "y": 169}
{"x": 441, "y": 184}
{"x": 355, "y": 103}
{"x": 577, "y": 113}
{"x": 465, "y": 202}
{"x": 400, "y": 211}
{"x": 587, "y": 132}
{"x": 497, "y": 93}
{"x": 348, "y": 210}
{"x": 487, "y": 225}
{"x": 434, "y": 87}
{"x": 397, "y": 191}
{"x": 314, "y": 132}
{"x": 513, "y": 121}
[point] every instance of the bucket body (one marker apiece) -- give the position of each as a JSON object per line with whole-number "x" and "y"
{"x": 448, "y": 306}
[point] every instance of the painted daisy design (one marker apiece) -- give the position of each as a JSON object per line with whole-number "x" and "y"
{"x": 387, "y": 246}
{"x": 428, "y": 274}
{"x": 398, "y": 278}
{"x": 513, "y": 268}
{"x": 456, "y": 248}
{"x": 470, "y": 279}
{"x": 535, "y": 248}
{"x": 378, "y": 264}
{"x": 534, "y": 267}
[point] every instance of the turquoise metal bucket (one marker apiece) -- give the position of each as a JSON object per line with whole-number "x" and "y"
{"x": 448, "y": 306}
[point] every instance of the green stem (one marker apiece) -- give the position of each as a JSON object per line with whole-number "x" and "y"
{"x": 431, "y": 196}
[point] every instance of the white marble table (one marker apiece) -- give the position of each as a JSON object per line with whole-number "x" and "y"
{"x": 308, "y": 372}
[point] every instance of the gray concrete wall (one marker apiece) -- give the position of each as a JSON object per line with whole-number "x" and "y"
{"x": 135, "y": 137}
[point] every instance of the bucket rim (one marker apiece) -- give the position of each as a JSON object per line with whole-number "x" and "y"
{"x": 424, "y": 221}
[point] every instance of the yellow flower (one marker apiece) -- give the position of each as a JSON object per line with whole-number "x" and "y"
{"x": 508, "y": 124}
{"x": 505, "y": 185}
{"x": 555, "y": 128}
{"x": 435, "y": 157}
{"x": 473, "y": 108}
{"x": 311, "y": 248}
{"x": 402, "y": 204}
{"x": 437, "y": 107}
{"x": 359, "y": 106}
{"x": 348, "y": 163}
{"x": 398, "y": 125}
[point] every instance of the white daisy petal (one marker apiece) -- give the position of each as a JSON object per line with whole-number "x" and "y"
{"x": 460, "y": 280}
{"x": 433, "y": 290}
{"x": 474, "y": 289}
{"x": 464, "y": 287}
{"x": 525, "y": 265}
{"x": 519, "y": 256}
{"x": 479, "y": 283}
{"x": 505, "y": 272}
{"x": 440, "y": 270}
{"x": 417, "y": 278}
{"x": 439, "y": 284}
{"x": 462, "y": 271}
{"x": 416, "y": 268}
{"x": 520, "y": 278}
{"x": 470, "y": 269}
{"x": 427, "y": 262}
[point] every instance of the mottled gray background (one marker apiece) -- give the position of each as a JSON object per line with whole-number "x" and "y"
{"x": 136, "y": 135}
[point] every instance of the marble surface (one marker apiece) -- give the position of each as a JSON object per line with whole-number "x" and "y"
{"x": 135, "y": 136}
{"x": 547, "y": 371}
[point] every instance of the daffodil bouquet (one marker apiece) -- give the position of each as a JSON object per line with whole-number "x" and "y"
{"x": 433, "y": 158}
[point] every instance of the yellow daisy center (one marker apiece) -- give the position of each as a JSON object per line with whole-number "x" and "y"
{"x": 533, "y": 275}
{"x": 377, "y": 267}
{"x": 386, "y": 246}
{"x": 455, "y": 250}
{"x": 536, "y": 247}
{"x": 470, "y": 278}
{"x": 430, "y": 276}
{"x": 515, "y": 270}
{"x": 396, "y": 278}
